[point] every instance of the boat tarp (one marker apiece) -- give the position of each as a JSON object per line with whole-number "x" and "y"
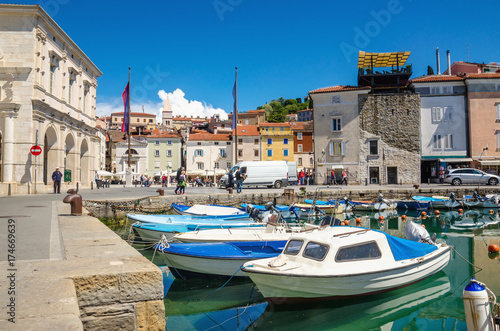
{"x": 263, "y": 208}
{"x": 404, "y": 249}
{"x": 424, "y": 198}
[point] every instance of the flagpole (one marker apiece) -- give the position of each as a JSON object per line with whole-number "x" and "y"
{"x": 128, "y": 118}
{"x": 236, "y": 115}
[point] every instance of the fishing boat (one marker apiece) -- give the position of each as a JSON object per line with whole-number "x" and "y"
{"x": 168, "y": 219}
{"x": 290, "y": 213}
{"x": 476, "y": 201}
{"x": 342, "y": 262}
{"x": 206, "y": 210}
{"x": 437, "y": 202}
{"x": 222, "y": 259}
{"x": 412, "y": 205}
{"x": 152, "y": 232}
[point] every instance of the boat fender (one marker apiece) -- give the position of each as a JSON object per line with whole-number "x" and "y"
{"x": 477, "y": 307}
{"x": 278, "y": 261}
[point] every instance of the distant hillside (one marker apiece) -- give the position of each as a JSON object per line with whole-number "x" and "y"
{"x": 277, "y": 110}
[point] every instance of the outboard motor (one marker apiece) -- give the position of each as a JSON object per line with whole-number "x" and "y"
{"x": 292, "y": 210}
{"x": 476, "y": 196}
{"x": 268, "y": 205}
{"x": 452, "y": 197}
{"x": 347, "y": 201}
{"x": 249, "y": 208}
{"x": 254, "y": 213}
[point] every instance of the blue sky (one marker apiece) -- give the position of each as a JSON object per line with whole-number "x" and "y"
{"x": 281, "y": 48}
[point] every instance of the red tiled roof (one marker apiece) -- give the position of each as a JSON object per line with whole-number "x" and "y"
{"x": 209, "y": 137}
{"x": 257, "y": 111}
{"x": 304, "y": 110}
{"x": 437, "y": 78}
{"x": 248, "y": 130}
{"x": 486, "y": 75}
{"x": 135, "y": 114}
{"x": 339, "y": 88}
{"x": 274, "y": 124}
{"x": 164, "y": 135}
{"x": 298, "y": 126}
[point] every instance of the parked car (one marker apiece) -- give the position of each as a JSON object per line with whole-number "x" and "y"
{"x": 469, "y": 176}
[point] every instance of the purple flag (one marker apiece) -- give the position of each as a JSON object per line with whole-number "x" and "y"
{"x": 126, "y": 106}
{"x": 234, "y": 107}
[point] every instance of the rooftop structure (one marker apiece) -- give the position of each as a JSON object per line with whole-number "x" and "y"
{"x": 383, "y": 72}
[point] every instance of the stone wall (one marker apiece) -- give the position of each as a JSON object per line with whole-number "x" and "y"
{"x": 394, "y": 121}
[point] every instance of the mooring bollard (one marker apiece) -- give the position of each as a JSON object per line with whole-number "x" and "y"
{"x": 160, "y": 191}
{"x": 75, "y": 200}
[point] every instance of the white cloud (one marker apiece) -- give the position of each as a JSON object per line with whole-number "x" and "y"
{"x": 183, "y": 107}
{"x": 180, "y": 106}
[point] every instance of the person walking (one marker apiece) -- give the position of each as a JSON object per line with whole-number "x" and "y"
{"x": 239, "y": 180}
{"x": 230, "y": 179}
{"x": 56, "y": 178}
{"x": 177, "y": 179}
{"x": 301, "y": 177}
{"x": 333, "y": 178}
{"x": 182, "y": 183}
{"x": 344, "y": 178}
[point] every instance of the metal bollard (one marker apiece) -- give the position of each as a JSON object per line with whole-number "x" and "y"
{"x": 230, "y": 190}
{"x": 75, "y": 200}
{"x": 161, "y": 191}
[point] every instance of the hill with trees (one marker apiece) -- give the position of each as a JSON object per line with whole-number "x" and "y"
{"x": 276, "y": 110}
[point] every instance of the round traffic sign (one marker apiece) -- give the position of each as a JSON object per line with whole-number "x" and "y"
{"x": 36, "y": 150}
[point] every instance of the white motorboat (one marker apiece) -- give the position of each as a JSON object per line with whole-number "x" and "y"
{"x": 341, "y": 262}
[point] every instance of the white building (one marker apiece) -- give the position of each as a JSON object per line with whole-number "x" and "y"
{"x": 208, "y": 154}
{"x": 47, "y": 94}
{"x": 443, "y": 123}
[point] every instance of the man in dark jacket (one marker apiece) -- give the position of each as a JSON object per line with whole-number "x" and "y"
{"x": 230, "y": 179}
{"x": 56, "y": 178}
{"x": 177, "y": 179}
{"x": 238, "y": 176}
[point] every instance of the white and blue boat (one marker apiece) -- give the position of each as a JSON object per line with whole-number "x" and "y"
{"x": 412, "y": 205}
{"x": 438, "y": 201}
{"x": 206, "y": 210}
{"x": 222, "y": 259}
{"x": 152, "y": 232}
{"x": 133, "y": 218}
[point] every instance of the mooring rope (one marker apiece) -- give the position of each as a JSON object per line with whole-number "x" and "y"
{"x": 475, "y": 266}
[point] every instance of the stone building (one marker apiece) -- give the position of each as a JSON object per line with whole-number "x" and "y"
{"x": 47, "y": 95}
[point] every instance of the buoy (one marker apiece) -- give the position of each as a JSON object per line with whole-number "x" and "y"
{"x": 342, "y": 223}
{"x": 491, "y": 211}
{"x": 423, "y": 225}
{"x": 477, "y": 307}
{"x": 493, "y": 248}
{"x": 346, "y": 222}
{"x": 424, "y": 213}
{"x": 460, "y": 210}
{"x": 381, "y": 218}
{"x": 436, "y": 212}
{"x": 403, "y": 218}
{"x": 493, "y": 256}
{"x": 358, "y": 220}
{"x": 499, "y": 210}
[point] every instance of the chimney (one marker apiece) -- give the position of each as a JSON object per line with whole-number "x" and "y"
{"x": 437, "y": 61}
{"x": 449, "y": 62}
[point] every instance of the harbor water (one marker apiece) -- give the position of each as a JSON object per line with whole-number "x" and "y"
{"x": 433, "y": 304}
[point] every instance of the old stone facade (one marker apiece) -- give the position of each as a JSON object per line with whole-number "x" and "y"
{"x": 389, "y": 138}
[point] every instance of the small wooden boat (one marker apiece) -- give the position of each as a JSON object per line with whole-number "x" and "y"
{"x": 342, "y": 262}
{"x": 223, "y": 259}
{"x": 206, "y": 210}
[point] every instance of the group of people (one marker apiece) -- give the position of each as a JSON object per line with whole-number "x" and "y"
{"x": 333, "y": 178}
{"x": 237, "y": 176}
{"x": 306, "y": 177}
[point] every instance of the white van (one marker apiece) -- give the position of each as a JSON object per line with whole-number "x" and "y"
{"x": 260, "y": 173}
{"x": 292, "y": 173}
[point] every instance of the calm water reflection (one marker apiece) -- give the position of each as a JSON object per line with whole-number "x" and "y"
{"x": 434, "y": 304}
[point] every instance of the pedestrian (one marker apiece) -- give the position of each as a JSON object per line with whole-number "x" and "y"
{"x": 56, "y": 178}
{"x": 178, "y": 179}
{"x": 344, "y": 178}
{"x": 230, "y": 179}
{"x": 307, "y": 178}
{"x": 238, "y": 176}
{"x": 333, "y": 177}
{"x": 301, "y": 177}
{"x": 96, "y": 180}
{"x": 182, "y": 183}
{"x": 163, "y": 180}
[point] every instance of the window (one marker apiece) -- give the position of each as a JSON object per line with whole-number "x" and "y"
{"x": 373, "y": 147}
{"x": 311, "y": 161}
{"x": 440, "y": 114}
{"x": 157, "y": 142}
{"x": 200, "y": 165}
{"x": 315, "y": 251}
{"x": 293, "y": 247}
{"x": 358, "y": 252}
{"x": 269, "y": 141}
{"x": 216, "y": 142}
{"x": 498, "y": 139}
{"x": 441, "y": 89}
{"x": 169, "y": 152}
{"x": 285, "y": 141}
{"x": 336, "y": 124}
{"x": 150, "y": 120}
{"x": 52, "y": 76}
{"x": 448, "y": 141}
{"x": 228, "y": 165}
{"x": 299, "y": 161}
{"x": 240, "y": 153}
{"x": 157, "y": 164}
{"x": 299, "y": 135}
{"x": 71, "y": 83}
{"x": 285, "y": 152}
{"x": 199, "y": 143}
{"x": 436, "y": 141}
{"x": 138, "y": 120}
{"x": 256, "y": 152}
{"x": 85, "y": 94}
{"x": 216, "y": 165}
{"x": 436, "y": 114}
{"x": 247, "y": 121}
{"x": 282, "y": 129}
{"x": 299, "y": 148}
{"x": 336, "y": 99}
{"x": 222, "y": 152}
{"x": 498, "y": 111}
{"x": 228, "y": 143}
{"x": 267, "y": 129}
{"x": 240, "y": 141}
{"x": 337, "y": 148}
{"x": 198, "y": 152}
{"x": 169, "y": 142}
{"x": 157, "y": 152}
{"x": 144, "y": 120}
{"x": 269, "y": 152}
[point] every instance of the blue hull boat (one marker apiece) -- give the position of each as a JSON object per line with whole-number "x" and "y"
{"x": 215, "y": 259}
{"x": 167, "y": 219}
{"x": 413, "y": 205}
{"x": 207, "y": 210}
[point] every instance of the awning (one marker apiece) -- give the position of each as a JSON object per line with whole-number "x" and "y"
{"x": 490, "y": 162}
{"x": 456, "y": 160}
{"x": 104, "y": 173}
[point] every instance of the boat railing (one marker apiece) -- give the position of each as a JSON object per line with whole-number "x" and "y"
{"x": 348, "y": 234}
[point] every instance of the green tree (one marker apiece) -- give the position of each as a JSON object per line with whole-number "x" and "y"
{"x": 289, "y": 102}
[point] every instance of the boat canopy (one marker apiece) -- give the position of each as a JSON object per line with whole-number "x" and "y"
{"x": 404, "y": 249}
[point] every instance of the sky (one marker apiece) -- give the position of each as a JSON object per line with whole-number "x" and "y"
{"x": 189, "y": 49}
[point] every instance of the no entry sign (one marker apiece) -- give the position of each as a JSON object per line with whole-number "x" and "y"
{"x": 36, "y": 150}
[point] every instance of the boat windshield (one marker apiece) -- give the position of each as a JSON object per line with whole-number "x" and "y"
{"x": 364, "y": 251}
{"x": 315, "y": 251}
{"x": 293, "y": 247}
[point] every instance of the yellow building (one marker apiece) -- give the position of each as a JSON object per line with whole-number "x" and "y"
{"x": 277, "y": 141}
{"x": 138, "y": 121}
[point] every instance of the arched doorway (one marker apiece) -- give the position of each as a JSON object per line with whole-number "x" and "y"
{"x": 84, "y": 163}
{"x": 49, "y": 154}
{"x": 70, "y": 156}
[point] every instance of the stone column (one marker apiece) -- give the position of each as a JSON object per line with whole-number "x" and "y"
{"x": 8, "y": 112}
